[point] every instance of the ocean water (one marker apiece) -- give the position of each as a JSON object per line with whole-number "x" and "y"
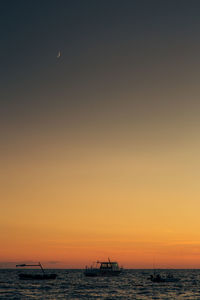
{"x": 72, "y": 284}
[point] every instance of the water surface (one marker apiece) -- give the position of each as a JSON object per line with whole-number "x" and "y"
{"x": 72, "y": 284}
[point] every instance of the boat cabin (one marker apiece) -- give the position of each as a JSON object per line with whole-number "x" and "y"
{"x": 106, "y": 268}
{"x": 109, "y": 266}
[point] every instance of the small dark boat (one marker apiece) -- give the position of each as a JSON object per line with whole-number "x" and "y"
{"x": 43, "y": 276}
{"x": 107, "y": 268}
{"x": 158, "y": 278}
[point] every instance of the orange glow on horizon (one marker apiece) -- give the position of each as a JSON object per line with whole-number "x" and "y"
{"x": 126, "y": 207}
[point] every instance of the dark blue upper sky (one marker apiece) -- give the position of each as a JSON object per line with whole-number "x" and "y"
{"x": 148, "y": 50}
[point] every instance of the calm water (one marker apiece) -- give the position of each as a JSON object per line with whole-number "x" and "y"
{"x": 71, "y": 284}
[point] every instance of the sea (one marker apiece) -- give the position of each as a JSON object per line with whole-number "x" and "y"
{"x": 72, "y": 284}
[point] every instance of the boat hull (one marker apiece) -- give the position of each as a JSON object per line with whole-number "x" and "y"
{"x": 161, "y": 279}
{"x": 95, "y": 273}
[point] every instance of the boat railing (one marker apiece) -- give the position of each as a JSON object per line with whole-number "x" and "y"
{"x": 32, "y": 265}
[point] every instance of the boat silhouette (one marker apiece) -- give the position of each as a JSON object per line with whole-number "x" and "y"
{"x": 107, "y": 268}
{"x": 158, "y": 278}
{"x": 42, "y": 276}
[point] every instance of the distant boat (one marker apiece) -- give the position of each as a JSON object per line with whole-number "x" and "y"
{"x": 107, "y": 268}
{"x": 158, "y": 278}
{"x": 42, "y": 276}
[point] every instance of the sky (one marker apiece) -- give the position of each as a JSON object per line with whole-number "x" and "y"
{"x": 99, "y": 148}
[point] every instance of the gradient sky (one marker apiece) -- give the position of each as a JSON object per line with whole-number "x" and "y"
{"x": 100, "y": 148}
